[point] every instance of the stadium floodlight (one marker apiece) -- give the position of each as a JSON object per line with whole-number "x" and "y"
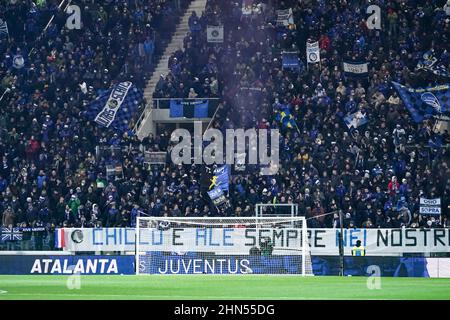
{"x": 222, "y": 245}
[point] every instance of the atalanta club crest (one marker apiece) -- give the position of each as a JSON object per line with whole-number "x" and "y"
{"x": 77, "y": 236}
{"x": 113, "y": 103}
{"x": 431, "y": 100}
{"x": 313, "y": 57}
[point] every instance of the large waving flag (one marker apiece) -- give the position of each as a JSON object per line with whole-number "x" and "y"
{"x": 115, "y": 107}
{"x": 425, "y": 103}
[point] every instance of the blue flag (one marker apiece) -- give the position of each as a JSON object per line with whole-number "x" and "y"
{"x": 115, "y": 107}
{"x": 201, "y": 109}
{"x": 425, "y": 103}
{"x": 291, "y": 61}
{"x": 198, "y": 108}
{"x": 217, "y": 196}
{"x": 176, "y": 109}
{"x": 220, "y": 178}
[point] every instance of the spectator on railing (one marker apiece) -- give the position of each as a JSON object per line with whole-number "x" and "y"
{"x": 192, "y": 94}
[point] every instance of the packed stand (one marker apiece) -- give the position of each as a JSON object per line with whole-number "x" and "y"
{"x": 52, "y": 173}
{"x": 375, "y": 174}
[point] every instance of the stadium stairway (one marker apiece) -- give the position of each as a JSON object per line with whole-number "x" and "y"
{"x": 145, "y": 125}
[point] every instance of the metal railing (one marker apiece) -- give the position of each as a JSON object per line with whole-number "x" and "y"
{"x": 164, "y": 103}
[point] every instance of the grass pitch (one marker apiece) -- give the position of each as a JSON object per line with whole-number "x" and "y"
{"x": 200, "y": 287}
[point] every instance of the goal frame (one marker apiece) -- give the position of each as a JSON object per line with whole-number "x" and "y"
{"x": 223, "y": 220}
{"x": 259, "y": 206}
{"x": 294, "y": 213}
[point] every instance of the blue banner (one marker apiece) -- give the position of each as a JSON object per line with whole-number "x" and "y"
{"x": 221, "y": 178}
{"x": 189, "y": 108}
{"x": 115, "y": 108}
{"x": 217, "y": 196}
{"x": 208, "y": 263}
{"x": 291, "y": 61}
{"x": 176, "y": 109}
{"x": 62, "y": 264}
{"x": 425, "y": 103}
{"x": 359, "y": 266}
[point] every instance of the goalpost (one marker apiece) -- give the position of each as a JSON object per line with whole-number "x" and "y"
{"x": 222, "y": 245}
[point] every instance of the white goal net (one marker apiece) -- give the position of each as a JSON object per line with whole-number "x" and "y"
{"x": 235, "y": 245}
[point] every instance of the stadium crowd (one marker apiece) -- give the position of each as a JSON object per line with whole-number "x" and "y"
{"x": 51, "y": 173}
{"x": 375, "y": 176}
{"x": 48, "y": 76}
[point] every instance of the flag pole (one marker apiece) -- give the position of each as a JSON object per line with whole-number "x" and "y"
{"x": 6, "y": 90}
{"x": 49, "y": 23}
{"x": 296, "y": 126}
